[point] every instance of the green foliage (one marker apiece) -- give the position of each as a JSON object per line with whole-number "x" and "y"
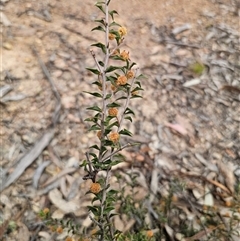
{"x": 197, "y": 68}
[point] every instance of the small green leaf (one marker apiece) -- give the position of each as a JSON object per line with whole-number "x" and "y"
{"x": 114, "y": 104}
{"x": 111, "y": 68}
{"x": 114, "y": 24}
{"x": 108, "y": 143}
{"x": 116, "y": 123}
{"x": 137, "y": 89}
{"x": 100, "y": 21}
{"x": 93, "y": 155}
{"x": 136, "y": 96}
{"x": 95, "y": 210}
{"x": 101, "y": 46}
{"x": 112, "y": 13}
{"x": 95, "y": 71}
{"x": 101, "y": 63}
{"x": 112, "y": 192}
{"x": 114, "y": 163}
{"x": 108, "y": 118}
{"x": 116, "y": 57}
{"x": 128, "y": 118}
{"x": 141, "y": 76}
{"x": 99, "y": 5}
{"x": 94, "y": 128}
{"x": 99, "y": 28}
{"x": 125, "y": 132}
{"x": 95, "y": 147}
{"x": 96, "y": 94}
{"x": 122, "y": 98}
{"x": 108, "y": 96}
{"x": 108, "y": 209}
{"x": 95, "y": 107}
{"x": 128, "y": 111}
{"x": 138, "y": 83}
{"x": 132, "y": 65}
{"x": 84, "y": 163}
{"x": 116, "y": 33}
{"x": 89, "y": 119}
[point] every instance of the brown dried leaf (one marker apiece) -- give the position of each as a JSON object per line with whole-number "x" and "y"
{"x": 226, "y": 169}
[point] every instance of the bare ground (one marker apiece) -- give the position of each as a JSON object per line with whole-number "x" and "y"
{"x": 186, "y": 128}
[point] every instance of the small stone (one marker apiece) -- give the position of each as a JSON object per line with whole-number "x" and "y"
{"x": 27, "y": 60}
{"x": 7, "y": 46}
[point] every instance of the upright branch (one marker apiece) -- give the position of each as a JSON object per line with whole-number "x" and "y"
{"x": 116, "y": 85}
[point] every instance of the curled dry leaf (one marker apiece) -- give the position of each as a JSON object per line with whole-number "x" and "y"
{"x": 56, "y": 198}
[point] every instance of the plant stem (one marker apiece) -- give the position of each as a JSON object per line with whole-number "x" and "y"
{"x": 127, "y": 101}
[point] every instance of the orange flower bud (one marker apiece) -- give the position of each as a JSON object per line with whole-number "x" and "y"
{"x": 113, "y": 111}
{"x": 99, "y": 135}
{"x": 68, "y": 239}
{"x": 125, "y": 55}
{"x": 113, "y": 88}
{"x": 149, "y": 233}
{"x": 111, "y": 36}
{"x": 59, "y": 229}
{"x": 134, "y": 93}
{"x": 114, "y": 137}
{"x": 46, "y": 210}
{"x": 95, "y": 187}
{"x": 116, "y": 52}
{"x": 121, "y": 80}
{"x": 122, "y": 31}
{"x": 130, "y": 74}
{"x": 94, "y": 231}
